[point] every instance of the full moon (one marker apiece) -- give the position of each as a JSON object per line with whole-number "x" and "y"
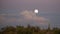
{"x": 36, "y": 11}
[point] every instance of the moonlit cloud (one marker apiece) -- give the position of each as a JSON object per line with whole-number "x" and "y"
{"x": 30, "y": 15}
{"x": 24, "y": 16}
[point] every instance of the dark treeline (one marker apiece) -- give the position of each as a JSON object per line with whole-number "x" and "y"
{"x": 28, "y": 30}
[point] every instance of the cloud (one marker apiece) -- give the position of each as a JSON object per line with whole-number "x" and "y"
{"x": 24, "y": 17}
{"x": 2, "y": 18}
{"x": 11, "y": 14}
{"x": 30, "y": 15}
{"x": 11, "y": 20}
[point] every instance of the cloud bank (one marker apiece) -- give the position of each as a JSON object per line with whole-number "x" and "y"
{"x": 30, "y": 15}
{"x": 24, "y": 17}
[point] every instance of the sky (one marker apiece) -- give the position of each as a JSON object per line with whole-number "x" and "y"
{"x": 21, "y": 12}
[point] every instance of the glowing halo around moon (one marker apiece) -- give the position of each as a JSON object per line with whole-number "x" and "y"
{"x": 36, "y": 11}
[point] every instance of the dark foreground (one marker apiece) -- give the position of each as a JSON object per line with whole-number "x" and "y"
{"x": 28, "y": 30}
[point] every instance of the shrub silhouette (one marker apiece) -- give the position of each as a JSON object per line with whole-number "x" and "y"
{"x": 28, "y": 30}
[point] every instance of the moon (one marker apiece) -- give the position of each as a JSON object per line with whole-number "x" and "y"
{"x": 36, "y": 11}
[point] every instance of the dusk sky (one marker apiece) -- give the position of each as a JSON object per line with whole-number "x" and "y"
{"x": 21, "y": 12}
